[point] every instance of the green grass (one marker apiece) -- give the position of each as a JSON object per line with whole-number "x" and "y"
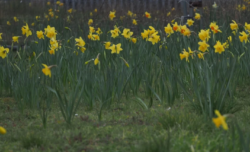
{"x": 124, "y": 127}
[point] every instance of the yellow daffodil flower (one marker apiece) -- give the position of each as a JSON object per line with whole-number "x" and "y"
{"x": 219, "y": 48}
{"x": 220, "y": 120}
{"x": 116, "y": 48}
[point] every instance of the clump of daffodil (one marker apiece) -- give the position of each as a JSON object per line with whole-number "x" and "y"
{"x": 203, "y": 46}
{"x": 2, "y": 130}
{"x": 214, "y": 27}
{"x": 243, "y": 37}
{"x": 219, "y": 48}
{"x": 197, "y": 16}
{"x": 15, "y": 38}
{"x": 96, "y": 61}
{"x": 220, "y": 120}
{"x": 204, "y": 35}
{"x": 147, "y": 15}
{"x": 90, "y": 22}
{"x": 234, "y": 26}
{"x": 168, "y": 29}
{"x": 115, "y": 32}
{"x": 26, "y": 31}
{"x": 54, "y": 44}
{"x": 127, "y": 33}
{"x": 151, "y": 35}
{"x": 46, "y": 70}
{"x": 134, "y": 22}
{"x": 80, "y": 43}
{"x": 111, "y": 15}
{"x": 40, "y": 34}
{"x": 3, "y": 52}
{"x": 116, "y": 48}
{"x": 50, "y": 32}
{"x": 190, "y": 22}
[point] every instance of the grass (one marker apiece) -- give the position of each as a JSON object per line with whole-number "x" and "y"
{"x": 124, "y": 127}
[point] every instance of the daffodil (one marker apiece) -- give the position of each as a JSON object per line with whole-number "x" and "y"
{"x": 168, "y": 29}
{"x": 247, "y": 27}
{"x": 234, "y": 26}
{"x": 127, "y": 33}
{"x": 95, "y": 10}
{"x": 115, "y": 32}
{"x": 126, "y": 63}
{"x": 203, "y": 46}
{"x": 116, "y": 48}
{"x": 204, "y": 35}
{"x": 107, "y": 45}
{"x": 154, "y": 38}
{"x": 96, "y": 61}
{"x": 197, "y": 16}
{"x": 48, "y": 3}
{"x": 219, "y": 48}
{"x": 47, "y": 69}
{"x": 15, "y": 19}
{"x": 112, "y": 15}
{"x": 52, "y": 52}
{"x": 220, "y": 120}
{"x": 70, "y": 10}
{"x": 169, "y": 13}
{"x": 8, "y": 23}
{"x": 2, "y": 130}
{"x": 147, "y": 15}
{"x": 134, "y": 40}
{"x": 190, "y": 22}
{"x": 80, "y": 42}
{"x": 134, "y": 22}
{"x": 176, "y": 27}
{"x": 145, "y": 34}
{"x": 50, "y": 32}
{"x": 1, "y": 36}
{"x": 130, "y": 13}
{"x": 185, "y": 55}
{"x": 3, "y": 52}
{"x": 40, "y": 34}
{"x": 15, "y": 39}
{"x": 243, "y": 37}
{"x": 90, "y": 22}
{"x": 99, "y": 31}
{"x": 200, "y": 55}
{"x": 214, "y": 27}
{"x": 215, "y": 5}
{"x": 26, "y": 31}
{"x": 91, "y": 29}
